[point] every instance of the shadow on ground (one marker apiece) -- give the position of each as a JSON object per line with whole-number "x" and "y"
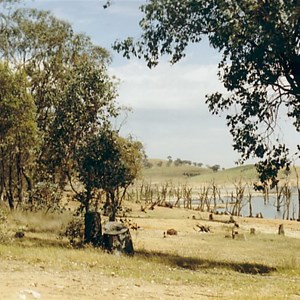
{"x": 197, "y": 263}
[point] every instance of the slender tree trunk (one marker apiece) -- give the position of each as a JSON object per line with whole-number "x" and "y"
{"x": 250, "y": 206}
{"x": 10, "y": 196}
{"x": 2, "y": 180}
{"x": 278, "y": 196}
{"x": 298, "y": 204}
{"x": 2, "y": 175}
{"x": 29, "y": 187}
{"x": 19, "y": 177}
{"x": 298, "y": 190}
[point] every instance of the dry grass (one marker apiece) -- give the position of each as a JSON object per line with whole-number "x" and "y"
{"x": 260, "y": 266}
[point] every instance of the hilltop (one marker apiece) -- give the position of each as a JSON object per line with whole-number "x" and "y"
{"x": 160, "y": 171}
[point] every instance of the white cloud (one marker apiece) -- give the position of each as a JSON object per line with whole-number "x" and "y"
{"x": 166, "y": 87}
{"x": 169, "y": 112}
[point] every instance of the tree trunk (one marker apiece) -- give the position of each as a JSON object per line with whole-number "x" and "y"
{"x": 298, "y": 204}
{"x": 10, "y": 196}
{"x": 2, "y": 180}
{"x": 250, "y": 207}
{"x": 93, "y": 228}
{"x": 19, "y": 177}
{"x": 114, "y": 206}
{"x": 29, "y": 187}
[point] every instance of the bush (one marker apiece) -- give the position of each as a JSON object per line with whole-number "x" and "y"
{"x": 4, "y": 237}
{"x": 46, "y": 196}
{"x": 75, "y": 232}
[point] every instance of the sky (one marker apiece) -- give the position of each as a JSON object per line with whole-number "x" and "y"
{"x": 169, "y": 115}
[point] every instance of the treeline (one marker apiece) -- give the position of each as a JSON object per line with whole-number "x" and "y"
{"x": 57, "y": 102}
{"x": 179, "y": 162}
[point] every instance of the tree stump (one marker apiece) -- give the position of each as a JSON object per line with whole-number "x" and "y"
{"x": 117, "y": 238}
{"x": 93, "y": 228}
{"x": 231, "y": 220}
{"x": 281, "y": 229}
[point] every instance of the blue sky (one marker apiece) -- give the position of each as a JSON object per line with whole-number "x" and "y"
{"x": 168, "y": 111}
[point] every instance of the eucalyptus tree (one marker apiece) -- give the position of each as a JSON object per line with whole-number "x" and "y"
{"x": 260, "y": 65}
{"x": 18, "y": 133}
{"x": 68, "y": 80}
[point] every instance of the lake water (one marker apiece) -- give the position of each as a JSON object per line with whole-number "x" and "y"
{"x": 269, "y": 210}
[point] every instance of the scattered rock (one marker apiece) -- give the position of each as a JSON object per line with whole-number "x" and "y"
{"x": 33, "y": 294}
{"x": 172, "y": 232}
{"x": 19, "y": 234}
{"x": 252, "y": 230}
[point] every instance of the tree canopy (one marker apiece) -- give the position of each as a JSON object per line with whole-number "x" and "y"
{"x": 56, "y": 97}
{"x": 110, "y": 163}
{"x": 260, "y": 65}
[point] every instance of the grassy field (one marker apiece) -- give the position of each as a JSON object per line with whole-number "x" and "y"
{"x": 190, "y": 265}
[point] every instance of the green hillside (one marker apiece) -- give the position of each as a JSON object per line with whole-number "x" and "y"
{"x": 160, "y": 171}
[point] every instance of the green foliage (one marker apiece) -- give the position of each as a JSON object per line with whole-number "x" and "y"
{"x": 110, "y": 163}
{"x": 18, "y": 132}
{"x": 75, "y": 232}
{"x": 259, "y": 43}
{"x": 46, "y": 197}
{"x": 58, "y": 95}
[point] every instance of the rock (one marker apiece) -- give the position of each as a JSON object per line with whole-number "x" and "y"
{"x": 172, "y": 232}
{"x": 33, "y": 294}
{"x": 19, "y": 234}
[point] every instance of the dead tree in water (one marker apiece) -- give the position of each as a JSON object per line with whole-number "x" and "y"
{"x": 178, "y": 195}
{"x": 203, "y": 196}
{"x": 187, "y": 197}
{"x": 237, "y": 199}
{"x": 298, "y": 190}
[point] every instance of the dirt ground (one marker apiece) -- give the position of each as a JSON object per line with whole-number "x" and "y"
{"x": 29, "y": 282}
{"x": 24, "y": 280}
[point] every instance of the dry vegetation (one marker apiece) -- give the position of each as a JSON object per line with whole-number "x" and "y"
{"x": 189, "y": 265}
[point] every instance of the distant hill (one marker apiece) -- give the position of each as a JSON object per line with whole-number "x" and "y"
{"x": 161, "y": 171}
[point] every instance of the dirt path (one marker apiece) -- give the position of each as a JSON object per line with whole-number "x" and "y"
{"x": 23, "y": 281}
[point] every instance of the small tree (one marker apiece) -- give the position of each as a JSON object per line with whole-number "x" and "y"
{"x": 215, "y": 168}
{"x": 110, "y": 163}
